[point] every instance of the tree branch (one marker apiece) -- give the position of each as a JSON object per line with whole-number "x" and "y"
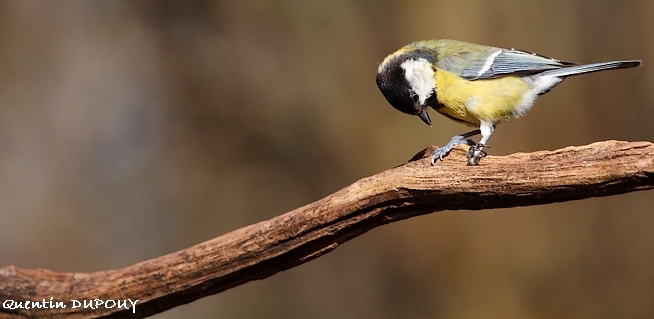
{"x": 263, "y": 249}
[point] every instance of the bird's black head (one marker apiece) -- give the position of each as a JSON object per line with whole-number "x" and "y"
{"x": 408, "y": 82}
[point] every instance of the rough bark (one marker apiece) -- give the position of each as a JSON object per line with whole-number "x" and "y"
{"x": 265, "y": 248}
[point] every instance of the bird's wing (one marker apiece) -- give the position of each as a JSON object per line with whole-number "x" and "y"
{"x": 497, "y": 63}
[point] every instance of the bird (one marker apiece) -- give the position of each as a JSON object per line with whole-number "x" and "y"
{"x": 473, "y": 84}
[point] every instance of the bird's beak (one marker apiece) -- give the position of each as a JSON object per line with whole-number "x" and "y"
{"x": 424, "y": 116}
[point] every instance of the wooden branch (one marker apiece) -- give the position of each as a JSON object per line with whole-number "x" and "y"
{"x": 263, "y": 249}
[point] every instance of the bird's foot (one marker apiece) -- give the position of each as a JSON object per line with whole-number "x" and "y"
{"x": 441, "y": 152}
{"x": 475, "y": 153}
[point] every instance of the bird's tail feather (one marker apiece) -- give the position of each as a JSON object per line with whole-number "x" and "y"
{"x": 594, "y": 67}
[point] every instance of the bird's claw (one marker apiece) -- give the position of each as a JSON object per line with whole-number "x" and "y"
{"x": 475, "y": 153}
{"x": 441, "y": 152}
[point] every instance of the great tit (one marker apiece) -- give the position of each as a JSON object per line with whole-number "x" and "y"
{"x": 473, "y": 84}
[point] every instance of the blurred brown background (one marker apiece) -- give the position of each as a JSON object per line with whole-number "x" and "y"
{"x": 132, "y": 129}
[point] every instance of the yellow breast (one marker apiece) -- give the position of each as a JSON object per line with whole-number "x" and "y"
{"x": 491, "y": 100}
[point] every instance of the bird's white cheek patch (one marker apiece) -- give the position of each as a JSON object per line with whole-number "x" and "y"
{"x": 420, "y": 77}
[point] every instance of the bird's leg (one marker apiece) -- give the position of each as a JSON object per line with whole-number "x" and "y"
{"x": 441, "y": 152}
{"x": 476, "y": 152}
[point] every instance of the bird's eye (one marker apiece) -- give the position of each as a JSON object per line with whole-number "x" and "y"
{"x": 415, "y": 98}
